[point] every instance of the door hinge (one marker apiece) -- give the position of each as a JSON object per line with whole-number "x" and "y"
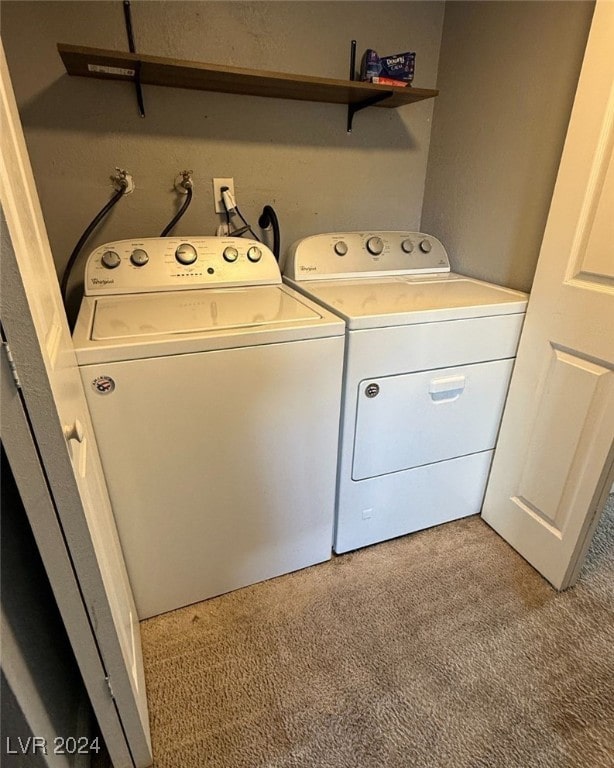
{"x": 12, "y": 366}
{"x": 108, "y": 682}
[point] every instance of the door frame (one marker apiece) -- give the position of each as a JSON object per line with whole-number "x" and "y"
{"x": 75, "y": 522}
{"x": 29, "y": 473}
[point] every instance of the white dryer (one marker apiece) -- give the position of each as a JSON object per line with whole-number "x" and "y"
{"x": 215, "y": 394}
{"x": 429, "y": 355}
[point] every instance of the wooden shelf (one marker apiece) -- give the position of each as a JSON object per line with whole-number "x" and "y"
{"x": 176, "y": 73}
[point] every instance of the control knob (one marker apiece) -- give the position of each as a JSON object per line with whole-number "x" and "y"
{"x": 139, "y": 257}
{"x": 375, "y": 245}
{"x": 425, "y": 246}
{"x": 341, "y": 248}
{"x": 186, "y": 254}
{"x": 254, "y": 253}
{"x": 407, "y": 246}
{"x": 110, "y": 259}
{"x": 230, "y": 254}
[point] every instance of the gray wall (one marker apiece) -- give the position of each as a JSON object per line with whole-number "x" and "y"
{"x": 507, "y": 73}
{"x": 294, "y": 155}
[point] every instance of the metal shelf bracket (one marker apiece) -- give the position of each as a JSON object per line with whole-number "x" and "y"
{"x": 137, "y": 67}
{"x": 354, "y": 108}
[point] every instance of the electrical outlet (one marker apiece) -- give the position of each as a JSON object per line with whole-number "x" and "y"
{"x": 217, "y": 192}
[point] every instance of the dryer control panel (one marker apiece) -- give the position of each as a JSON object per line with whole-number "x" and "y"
{"x": 149, "y": 264}
{"x": 365, "y": 254}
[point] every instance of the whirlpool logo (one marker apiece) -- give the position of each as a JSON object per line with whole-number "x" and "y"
{"x": 103, "y": 281}
{"x": 103, "y": 385}
{"x": 305, "y": 268}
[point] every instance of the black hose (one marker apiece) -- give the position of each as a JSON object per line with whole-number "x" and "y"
{"x": 179, "y": 214}
{"x": 84, "y": 237}
{"x": 268, "y": 216}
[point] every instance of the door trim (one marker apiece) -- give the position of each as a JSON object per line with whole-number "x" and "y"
{"x": 24, "y": 458}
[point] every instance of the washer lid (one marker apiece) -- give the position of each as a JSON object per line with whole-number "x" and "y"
{"x": 372, "y": 303}
{"x": 154, "y": 314}
{"x": 113, "y": 328}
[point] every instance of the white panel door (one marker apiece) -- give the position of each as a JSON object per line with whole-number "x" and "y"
{"x": 35, "y": 325}
{"x": 554, "y": 459}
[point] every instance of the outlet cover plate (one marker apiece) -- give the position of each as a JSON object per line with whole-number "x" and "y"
{"x": 217, "y": 192}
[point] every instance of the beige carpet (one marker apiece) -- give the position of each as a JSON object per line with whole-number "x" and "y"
{"x": 443, "y": 649}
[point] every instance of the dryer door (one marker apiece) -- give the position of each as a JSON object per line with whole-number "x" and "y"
{"x": 419, "y": 418}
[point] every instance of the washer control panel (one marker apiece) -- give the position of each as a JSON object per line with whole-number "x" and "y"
{"x": 172, "y": 264}
{"x": 365, "y": 254}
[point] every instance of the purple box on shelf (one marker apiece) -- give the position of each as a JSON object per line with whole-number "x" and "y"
{"x": 398, "y": 66}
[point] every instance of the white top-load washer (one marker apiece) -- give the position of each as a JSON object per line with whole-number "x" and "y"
{"x": 215, "y": 394}
{"x": 429, "y": 356}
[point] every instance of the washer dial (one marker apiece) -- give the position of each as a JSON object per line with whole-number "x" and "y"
{"x": 186, "y": 254}
{"x": 254, "y": 253}
{"x": 110, "y": 259}
{"x": 341, "y": 248}
{"x": 139, "y": 257}
{"x": 375, "y": 245}
{"x": 425, "y": 246}
{"x": 407, "y": 245}
{"x": 230, "y": 254}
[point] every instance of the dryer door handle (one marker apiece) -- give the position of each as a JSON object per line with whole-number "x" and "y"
{"x": 447, "y": 389}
